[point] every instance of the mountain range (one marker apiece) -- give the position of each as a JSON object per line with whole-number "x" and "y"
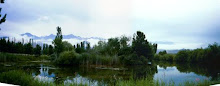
{"x": 52, "y": 36}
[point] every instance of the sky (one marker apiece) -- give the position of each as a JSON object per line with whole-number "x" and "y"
{"x": 173, "y": 24}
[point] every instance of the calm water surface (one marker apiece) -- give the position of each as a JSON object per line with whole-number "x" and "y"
{"x": 94, "y": 76}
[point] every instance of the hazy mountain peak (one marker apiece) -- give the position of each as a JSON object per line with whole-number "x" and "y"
{"x": 52, "y": 36}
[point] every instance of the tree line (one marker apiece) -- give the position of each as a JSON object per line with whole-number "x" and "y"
{"x": 24, "y": 48}
{"x": 208, "y": 55}
{"x": 116, "y": 50}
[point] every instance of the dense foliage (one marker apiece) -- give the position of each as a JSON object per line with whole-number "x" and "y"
{"x": 67, "y": 58}
{"x": 8, "y": 57}
{"x": 210, "y": 55}
{"x": 19, "y": 77}
{"x": 24, "y": 48}
{"x": 58, "y": 45}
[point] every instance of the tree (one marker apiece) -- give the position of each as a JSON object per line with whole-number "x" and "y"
{"x": 88, "y": 47}
{"x": 50, "y": 49}
{"x": 2, "y": 1}
{"x": 124, "y": 41}
{"x": 19, "y": 47}
{"x": 3, "y": 19}
{"x": 163, "y": 52}
{"x": 37, "y": 50}
{"x": 58, "y": 44}
{"x": 82, "y": 45}
{"x": 141, "y": 46}
{"x": 78, "y": 48}
{"x": 113, "y": 46}
{"x": 28, "y": 49}
{"x": 45, "y": 49}
{"x": 67, "y": 46}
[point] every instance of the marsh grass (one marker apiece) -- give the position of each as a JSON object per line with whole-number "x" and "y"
{"x": 150, "y": 82}
{"x": 11, "y": 57}
{"x": 19, "y": 77}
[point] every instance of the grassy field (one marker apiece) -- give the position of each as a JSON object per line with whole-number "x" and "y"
{"x": 148, "y": 82}
{"x": 10, "y": 57}
{"x": 19, "y": 77}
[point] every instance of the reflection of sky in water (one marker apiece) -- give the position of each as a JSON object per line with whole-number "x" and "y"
{"x": 44, "y": 75}
{"x": 167, "y": 75}
{"x": 82, "y": 80}
{"x": 173, "y": 74}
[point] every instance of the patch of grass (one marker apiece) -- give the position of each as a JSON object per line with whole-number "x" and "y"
{"x": 9, "y": 57}
{"x": 149, "y": 82}
{"x": 19, "y": 77}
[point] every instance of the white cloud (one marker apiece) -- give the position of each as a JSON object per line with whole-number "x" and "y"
{"x": 179, "y": 21}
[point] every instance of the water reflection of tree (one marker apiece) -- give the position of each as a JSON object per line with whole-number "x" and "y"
{"x": 201, "y": 69}
{"x": 209, "y": 70}
{"x": 144, "y": 71}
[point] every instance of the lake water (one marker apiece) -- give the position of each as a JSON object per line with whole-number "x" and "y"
{"x": 93, "y": 75}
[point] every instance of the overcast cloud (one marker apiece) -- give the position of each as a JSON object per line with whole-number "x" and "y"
{"x": 173, "y": 24}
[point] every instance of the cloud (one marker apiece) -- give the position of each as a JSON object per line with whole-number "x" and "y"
{"x": 171, "y": 23}
{"x": 164, "y": 42}
{"x": 43, "y": 18}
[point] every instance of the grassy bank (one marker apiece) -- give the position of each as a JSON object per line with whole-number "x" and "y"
{"x": 148, "y": 82}
{"x": 73, "y": 58}
{"x": 19, "y": 77}
{"x": 10, "y": 57}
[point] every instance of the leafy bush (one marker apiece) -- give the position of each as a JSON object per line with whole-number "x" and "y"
{"x": 165, "y": 57}
{"x": 183, "y": 56}
{"x": 134, "y": 59}
{"x": 68, "y": 58}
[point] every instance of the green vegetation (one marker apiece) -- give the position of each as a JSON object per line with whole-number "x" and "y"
{"x": 23, "y": 48}
{"x": 68, "y": 58}
{"x": 8, "y": 57}
{"x": 142, "y": 47}
{"x": 58, "y": 45}
{"x": 19, "y": 77}
{"x": 148, "y": 82}
{"x": 165, "y": 57}
{"x": 209, "y": 55}
{"x": 116, "y": 51}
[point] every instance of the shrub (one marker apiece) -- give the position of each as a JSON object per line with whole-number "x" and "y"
{"x": 164, "y": 57}
{"x": 44, "y": 57}
{"x": 68, "y": 58}
{"x": 183, "y": 56}
{"x": 133, "y": 59}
